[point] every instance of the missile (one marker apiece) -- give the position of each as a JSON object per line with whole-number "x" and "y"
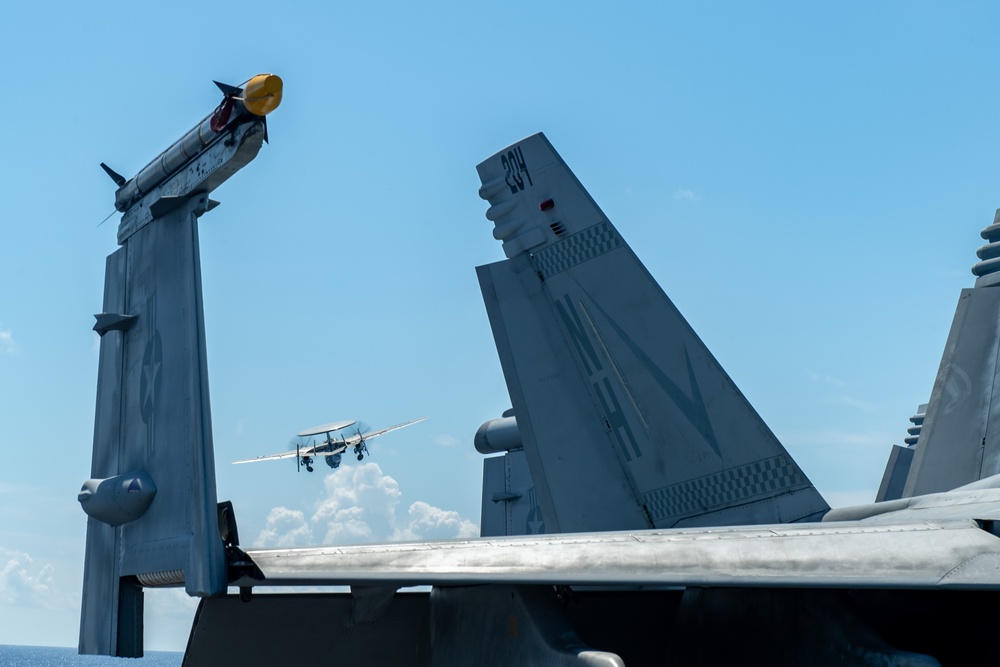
{"x": 239, "y": 117}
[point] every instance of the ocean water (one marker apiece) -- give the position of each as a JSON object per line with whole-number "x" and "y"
{"x": 56, "y": 656}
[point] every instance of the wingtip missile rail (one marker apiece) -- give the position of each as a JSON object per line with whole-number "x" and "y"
{"x": 214, "y": 149}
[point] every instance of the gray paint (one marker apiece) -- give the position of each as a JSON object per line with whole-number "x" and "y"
{"x": 627, "y": 419}
{"x": 898, "y": 553}
{"x": 956, "y": 445}
{"x": 894, "y": 477}
{"x": 153, "y": 416}
{"x": 510, "y": 497}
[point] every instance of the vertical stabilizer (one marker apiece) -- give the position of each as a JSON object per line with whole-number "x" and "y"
{"x": 153, "y": 427}
{"x": 626, "y": 418}
{"x": 897, "y": 469}
{"x": 960, "y": 438}
{"x": 510, "y": 503}
{"x": 151, "y": 499}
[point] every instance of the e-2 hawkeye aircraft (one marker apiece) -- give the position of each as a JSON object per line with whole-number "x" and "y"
{"x": 337, "y": 438}
{"x": 689, "y": 535}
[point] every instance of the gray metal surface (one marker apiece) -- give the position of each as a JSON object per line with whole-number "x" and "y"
{"x": 101, "y": 571}
{"x": 957, "y": 444}
{"x": 894, "y": 477}
{"x": 917, "y": 554}
{"x": 153, "y": 415}
{"x": 153, "y": 427}
{"x": 510, "y": 503}
{"x": 627, "y": 419}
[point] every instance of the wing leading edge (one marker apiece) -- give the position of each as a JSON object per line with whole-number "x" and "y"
{"x": 339, "y": 445}
{"x": 930, "y": 554}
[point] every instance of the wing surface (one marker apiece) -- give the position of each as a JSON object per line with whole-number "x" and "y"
{"x": 945, "y": 554}
{"x": 304, "y": 451}
{"x": 373, "y": 434}
{"x": 274, "y": 457}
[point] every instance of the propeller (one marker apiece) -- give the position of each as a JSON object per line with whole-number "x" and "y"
{"x": 298, "y": 459}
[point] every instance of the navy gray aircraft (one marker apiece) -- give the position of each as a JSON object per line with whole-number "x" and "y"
{"x": 330, "y": 447}
{"x": 680, "y": 531}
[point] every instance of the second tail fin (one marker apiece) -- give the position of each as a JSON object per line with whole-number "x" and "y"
{"x": 626, "y": 418}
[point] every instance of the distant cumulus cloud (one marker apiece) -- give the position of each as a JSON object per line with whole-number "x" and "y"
{"x": 361, "y": 504}
{"x": 427, "y": 522}
{"x": 7, "y": 344}
{"x": 445, "y": 440}
{"x": 818, "y": 378}
{"x": 686, "y": 195}
{"x": 23, "y": 583}
{"x": 284, "y": 528}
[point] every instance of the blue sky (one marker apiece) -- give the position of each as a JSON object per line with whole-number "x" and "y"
{"x": 807, "y": 182}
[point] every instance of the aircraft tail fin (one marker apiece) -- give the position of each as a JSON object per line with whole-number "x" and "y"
{"x": 959, "y": 441}
{"x": 152, "y": 500}
{"x": 626, "y": 418}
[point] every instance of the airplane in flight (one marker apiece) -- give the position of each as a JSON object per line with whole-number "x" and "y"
{"x": 677, "y": 528}
{"x": 337, "y": 438}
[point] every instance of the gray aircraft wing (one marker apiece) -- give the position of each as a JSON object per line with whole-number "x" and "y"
{"x": 319, "y": 450}
{"x": 373, "y": 434}
{"x": 924, "y": 554}
{"x": 304, "y": 451}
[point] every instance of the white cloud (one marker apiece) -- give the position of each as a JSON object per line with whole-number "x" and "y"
{"x": 686, "y": 195}
{"x": 361, "y": 504}
{"x": 826, "y": 379}
{"x": 445, "y": 440}
{"x": 427, "y": 522}
{"x": 284, "y": 528}
{"x": 24, "y": 583}
{"x": 7, "y": 343}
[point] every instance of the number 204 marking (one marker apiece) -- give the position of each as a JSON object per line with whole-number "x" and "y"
{"x": 513, "y": 164}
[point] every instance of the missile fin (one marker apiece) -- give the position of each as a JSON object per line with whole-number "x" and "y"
{"x": 115, "y": 176}
{"x": 227, "y": 90}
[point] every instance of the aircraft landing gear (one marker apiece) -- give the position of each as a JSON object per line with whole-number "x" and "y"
{"x": 361, "y": 456}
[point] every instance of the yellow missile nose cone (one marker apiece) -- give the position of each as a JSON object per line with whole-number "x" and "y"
{"x": 262, "y": 94}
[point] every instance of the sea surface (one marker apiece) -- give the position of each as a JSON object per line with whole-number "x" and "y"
{"x": 56, "y": 656}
